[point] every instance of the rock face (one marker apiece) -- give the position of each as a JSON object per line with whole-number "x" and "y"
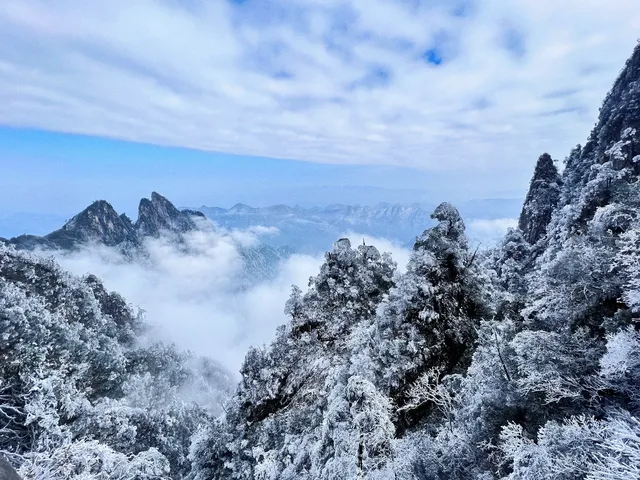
{"x": 100, "y": 223}
{"x": 542, "y": 198}
{"x": 159, "y": 214}
{"x": 610, "y": 158}
{"x": 6, "y": 471}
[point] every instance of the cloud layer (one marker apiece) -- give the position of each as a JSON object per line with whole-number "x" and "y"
{"x": 195, "y": 294}
{"x": 429, "y": 83}
{"x": 489, "y": 231}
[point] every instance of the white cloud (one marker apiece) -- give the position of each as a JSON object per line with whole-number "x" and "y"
{"x": 484, "y": 230}
{"x": 192, "y": 294}
{"x": 517, "y": 78}
{"x": 251, "y": 235}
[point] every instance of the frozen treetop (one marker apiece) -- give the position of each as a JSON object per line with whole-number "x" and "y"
{"x": 450, "y": 221}
{"x": 342, "y": 245}
{"x": 451, "y": 229}
{"x": 545, "y": 169}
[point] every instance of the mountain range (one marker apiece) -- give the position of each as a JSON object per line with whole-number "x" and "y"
{"x": 301, "y": 229}
{"x": 314, "y": 229}
{"x": 100, "y": 224}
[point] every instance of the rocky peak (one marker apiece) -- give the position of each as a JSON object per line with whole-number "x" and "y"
{"x": 620, "y": 114}
{"x": 98, "y": 222}
{"x": 541, "y": 200}
{"x": 160, "y": 214}
{"x": 242, "y": 208}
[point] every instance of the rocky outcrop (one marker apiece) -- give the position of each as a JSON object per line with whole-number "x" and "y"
{"x": 100, "y": 223}
{"x": 159, "y": 214}
{"x": 541, "y": 200}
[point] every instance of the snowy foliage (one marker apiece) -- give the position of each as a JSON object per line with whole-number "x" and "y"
{"x": 84, "y": 392}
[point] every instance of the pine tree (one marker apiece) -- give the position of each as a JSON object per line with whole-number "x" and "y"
{"x": 429, "y": 320}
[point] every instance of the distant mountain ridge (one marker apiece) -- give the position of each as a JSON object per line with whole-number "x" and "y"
{"x": 101, "y": 224}
{"x": 315, "y": 229}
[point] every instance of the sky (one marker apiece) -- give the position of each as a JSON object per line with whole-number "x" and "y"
{"x": 308, "y": 101}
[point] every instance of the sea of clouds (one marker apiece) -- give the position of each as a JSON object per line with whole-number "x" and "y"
{"x": 197, "y": 293}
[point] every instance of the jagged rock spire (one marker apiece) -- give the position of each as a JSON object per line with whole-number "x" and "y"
{"x": 98, "y": 222}
{"x": 541, "y": 200}
{"x": 160, "y": 214}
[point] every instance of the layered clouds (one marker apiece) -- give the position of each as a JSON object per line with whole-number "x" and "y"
{"x": 436, "y": 84}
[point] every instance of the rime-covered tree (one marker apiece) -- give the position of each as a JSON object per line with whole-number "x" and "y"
{"x": 80, "y": 396}
{"x": 299, "y": 412}
{"x": 429, "y": 320}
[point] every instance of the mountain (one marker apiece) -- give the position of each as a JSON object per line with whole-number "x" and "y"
{"x": 100, "y": 223}
{"x": 312, "y": 230}
{"x": 517, "y": 362}
{"x": 541, "y": 200}
{"x": 159, "y": 215}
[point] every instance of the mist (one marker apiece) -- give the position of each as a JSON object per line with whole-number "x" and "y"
{"x": 489, "y": 231}
{"x": 198, "y": 293}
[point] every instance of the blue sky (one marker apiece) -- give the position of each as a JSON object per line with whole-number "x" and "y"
{"x": 58, "y": 173}
{"x": 311, "y": 101}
